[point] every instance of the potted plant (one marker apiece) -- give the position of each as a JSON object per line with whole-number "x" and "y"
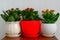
{"x": 49, "y": 26}
{"x": 30, "y": 25}
{"x": 12, "y": 18}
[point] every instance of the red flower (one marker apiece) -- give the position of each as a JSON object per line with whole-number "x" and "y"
{"x": 47, "y": 10}
{"x": 7, "y": 11}
{"x": 43, "y": 11}
{"x": 12, "y": 9}
{"x": 52, "y": 10}
{"x": 29, "y": 9}
{"x": 17, "y": 8}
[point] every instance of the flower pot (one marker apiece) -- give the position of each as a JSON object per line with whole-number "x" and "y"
{"x": 30, "y": 28}
{"x": 13, "y": 29}
{"x": 48, "y": 30}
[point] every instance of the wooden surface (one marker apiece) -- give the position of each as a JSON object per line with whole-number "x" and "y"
{"x": 25, "y": 38}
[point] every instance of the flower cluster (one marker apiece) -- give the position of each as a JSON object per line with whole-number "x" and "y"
{"x": 47, "y": 10}
{"x": 29, "y": 9}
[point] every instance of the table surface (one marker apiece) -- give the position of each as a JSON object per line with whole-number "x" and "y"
{"x": 25, "y": 38}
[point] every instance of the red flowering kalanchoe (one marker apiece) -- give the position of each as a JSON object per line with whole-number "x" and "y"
{"x": 49, "y": 16}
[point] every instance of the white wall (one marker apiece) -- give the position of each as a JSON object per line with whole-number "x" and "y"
{"x": 37, "y": 4}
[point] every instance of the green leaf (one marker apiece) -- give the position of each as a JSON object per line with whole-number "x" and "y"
{"x": 11, "y": 18}
{"x": 4, "y": 16}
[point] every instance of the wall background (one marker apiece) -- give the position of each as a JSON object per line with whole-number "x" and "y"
{"x": 37, "y": 4}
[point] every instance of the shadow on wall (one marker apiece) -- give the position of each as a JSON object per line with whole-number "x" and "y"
{"x": 2, "y": 28}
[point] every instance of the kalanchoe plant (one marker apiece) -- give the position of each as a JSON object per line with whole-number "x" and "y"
{"x": 11, "y": 15}
{"x": 30, "y": 14}
{"x": 49, "y": 16}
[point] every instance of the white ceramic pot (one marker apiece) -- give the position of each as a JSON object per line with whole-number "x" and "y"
{"x": 48, "y": 30}
{"x": 13, "y": 29}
